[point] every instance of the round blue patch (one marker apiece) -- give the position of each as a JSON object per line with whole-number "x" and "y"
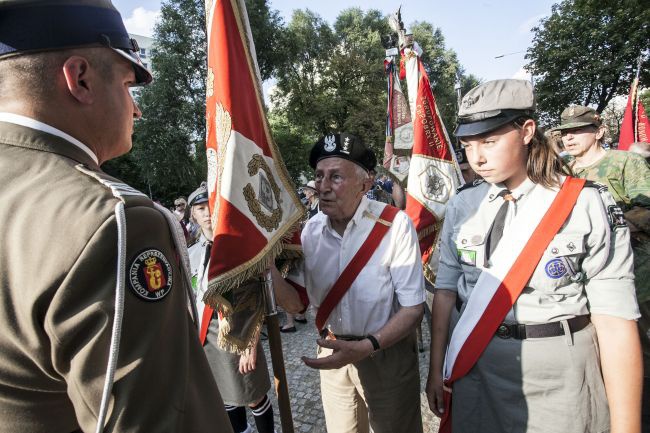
{"x": 555, "y": 268}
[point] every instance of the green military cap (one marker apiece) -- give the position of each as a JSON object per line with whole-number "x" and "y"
{"x": 493, "y": 104}
{"x": 577, "y": 116}
{"x": 28, "y": 26}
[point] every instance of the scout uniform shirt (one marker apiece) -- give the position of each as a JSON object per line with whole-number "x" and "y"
{"x": 58, "y": 262}
{"x": 586, "y": 268}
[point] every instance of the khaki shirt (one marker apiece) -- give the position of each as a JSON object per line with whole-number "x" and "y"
{"x": 586, "y": 268}
{"x": 58, "y": 260}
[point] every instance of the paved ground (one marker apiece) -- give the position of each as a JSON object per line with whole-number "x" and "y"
{"x": 304, "y": 387}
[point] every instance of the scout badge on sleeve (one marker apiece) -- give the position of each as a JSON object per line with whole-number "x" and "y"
{"x": 253, "y": 203}
{"x": 150, "y": 275}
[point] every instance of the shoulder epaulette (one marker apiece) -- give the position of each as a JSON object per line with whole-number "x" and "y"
{"x": 599, "y": 186}
{"x": 477, "y": 182}
{"x": 119, "y": 189}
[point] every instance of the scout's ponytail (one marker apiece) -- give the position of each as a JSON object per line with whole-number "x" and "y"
{"x": 544, "y": 165}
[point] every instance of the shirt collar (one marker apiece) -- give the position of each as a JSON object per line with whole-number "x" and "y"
{"x": 523, "y": 189}
{"x": 28, "y": 122}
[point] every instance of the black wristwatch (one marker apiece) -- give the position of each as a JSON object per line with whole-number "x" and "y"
{"x": 375, "y": 343}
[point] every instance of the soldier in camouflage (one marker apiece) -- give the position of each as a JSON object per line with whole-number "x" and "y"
{"x": 627, "y": 176}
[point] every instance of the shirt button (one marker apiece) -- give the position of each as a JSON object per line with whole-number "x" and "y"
{"x": 555, "y": 251}
{"x": 464, "y": 241}
{"x": 491, "y": 196}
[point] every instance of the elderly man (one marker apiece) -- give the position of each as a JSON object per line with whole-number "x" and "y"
{"x": 96, "y": 334}
{"x": 362, "y": 272}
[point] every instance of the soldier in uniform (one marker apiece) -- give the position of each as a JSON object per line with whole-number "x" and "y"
{"x": 627, "y": 177}
{"x": 94, "y": 287}
{"x": 243, "y": 379}
{"x": 566, "y": 356}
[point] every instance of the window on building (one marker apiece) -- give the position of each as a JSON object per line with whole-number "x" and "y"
{"x": 143, "y": 52}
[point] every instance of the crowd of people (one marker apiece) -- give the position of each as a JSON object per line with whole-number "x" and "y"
{"x": 541, "y": 303}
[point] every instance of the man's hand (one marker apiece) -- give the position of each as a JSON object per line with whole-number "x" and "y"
{"x": 345, "y": 352}
{"x": 248, "y": 361}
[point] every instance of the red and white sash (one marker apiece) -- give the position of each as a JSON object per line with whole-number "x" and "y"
{"x": 498, "y": 287}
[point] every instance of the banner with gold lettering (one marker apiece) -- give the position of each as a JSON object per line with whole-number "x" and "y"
{"x": 254, "y": 205}
{"x": 434, "y": 174}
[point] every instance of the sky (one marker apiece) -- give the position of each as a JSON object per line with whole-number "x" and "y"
{"x": 478, "y": 30}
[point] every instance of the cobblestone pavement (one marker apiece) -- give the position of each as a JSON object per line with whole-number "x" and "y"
{"x": 304, "y": 382}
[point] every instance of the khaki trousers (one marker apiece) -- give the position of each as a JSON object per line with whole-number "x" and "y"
{"x": 381, "y": 392}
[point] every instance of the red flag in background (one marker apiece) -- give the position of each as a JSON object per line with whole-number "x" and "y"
{"x": 434, "y": 174}
{"x": 626, "y": 137}
{"x": 635, "y": 126}
{"x": 253, "y": 203}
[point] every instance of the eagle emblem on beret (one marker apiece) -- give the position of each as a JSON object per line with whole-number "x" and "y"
{"x": 330, "y": 143}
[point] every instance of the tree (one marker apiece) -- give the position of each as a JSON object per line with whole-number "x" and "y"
{"x": 586, "y": 53}
{"x": 333, "y": 78}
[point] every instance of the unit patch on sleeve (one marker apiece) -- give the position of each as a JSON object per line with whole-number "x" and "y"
{"x": 616, "y": 216}
{"x": 150, "y": 275}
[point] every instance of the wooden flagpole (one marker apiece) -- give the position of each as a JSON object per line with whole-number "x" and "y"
{"x": 277, "y": 356}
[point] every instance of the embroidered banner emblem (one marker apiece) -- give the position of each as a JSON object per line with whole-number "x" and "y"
{"x": 150, "y": 275}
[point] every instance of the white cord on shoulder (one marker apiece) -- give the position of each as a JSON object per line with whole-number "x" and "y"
{"x": 120, "y": 218}
{"x": 181, "y": 249}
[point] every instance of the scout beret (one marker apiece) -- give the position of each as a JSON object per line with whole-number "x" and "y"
{"x": 577, "y": 116}
{"x": 493, "y": 104}
{"x": 343, "y": 145}
{"x": 200, "y": 195}
{"x": 28, "y": 26}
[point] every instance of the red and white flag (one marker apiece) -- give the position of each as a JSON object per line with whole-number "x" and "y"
{"x": 253, "y": 203}
{"x": 635, "y": 126}
{"x": 399, "y": 127}
{"x": 434, "y": 174}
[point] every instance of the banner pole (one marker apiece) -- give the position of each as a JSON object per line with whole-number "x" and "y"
{"x": 277, "y": 357}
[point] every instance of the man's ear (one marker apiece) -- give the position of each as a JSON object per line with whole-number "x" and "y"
{"x": 77, "y": 72}
{"x": 600, "y": 132}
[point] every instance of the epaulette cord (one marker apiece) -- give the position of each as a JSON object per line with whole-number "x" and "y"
{"x": 599, "y": 186}
{"x": 469, "y": 185}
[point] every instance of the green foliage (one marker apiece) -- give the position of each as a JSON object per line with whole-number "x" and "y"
{"x": 333, "y": 78}
{"x": 586, "y": 53}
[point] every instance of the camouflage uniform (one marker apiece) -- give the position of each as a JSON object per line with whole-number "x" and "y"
{"x": 627, "y": 175}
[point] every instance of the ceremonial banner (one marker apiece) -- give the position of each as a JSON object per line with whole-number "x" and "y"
{"x": 252, "y": 201}
{"x": 635, "y": 126}
{"x": 434, "y": 174}
{"x": 399, "y": 128}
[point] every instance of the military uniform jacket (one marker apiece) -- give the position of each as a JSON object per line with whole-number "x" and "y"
{"x": 587, "y": 268}
{"x": 58, "y": 261}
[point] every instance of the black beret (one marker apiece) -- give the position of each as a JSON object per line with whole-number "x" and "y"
{"x": 343, "y": 145}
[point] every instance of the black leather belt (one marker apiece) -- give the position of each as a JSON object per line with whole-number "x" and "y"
{"x": 520, "y": 331}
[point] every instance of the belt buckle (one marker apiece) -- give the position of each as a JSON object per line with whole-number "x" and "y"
{"x": 504, "y": 332}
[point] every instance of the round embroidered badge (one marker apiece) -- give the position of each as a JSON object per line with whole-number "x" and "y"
{"x": 150, "y": 275}
{"x": 555, "y": 268}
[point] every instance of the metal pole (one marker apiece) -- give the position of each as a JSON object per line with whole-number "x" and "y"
{"x": 277, "y": 357}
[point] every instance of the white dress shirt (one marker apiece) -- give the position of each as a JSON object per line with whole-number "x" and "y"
{"x": 392, "y": 277}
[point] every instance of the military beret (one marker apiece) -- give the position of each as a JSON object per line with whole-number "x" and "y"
{"x": 343, "y": 145}
{"x": 200, "y": 195}
{"x": 493, "y": 104}
{"x": 28, "y": 26}
{"x": 577, "y": 116}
